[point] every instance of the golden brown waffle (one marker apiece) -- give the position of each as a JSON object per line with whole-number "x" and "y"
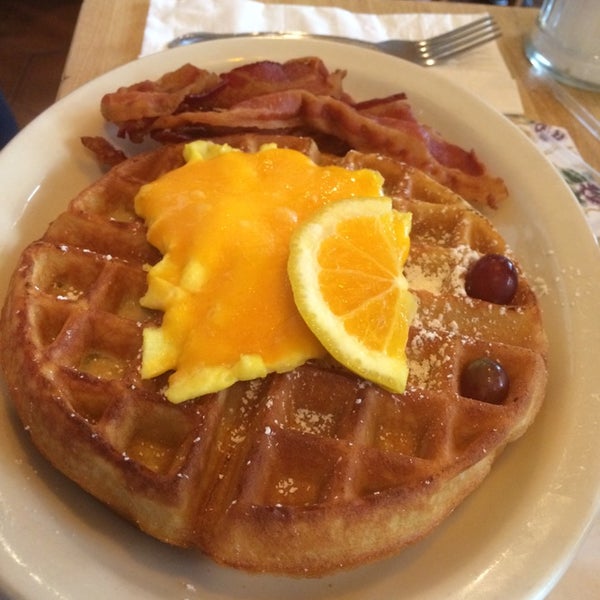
{"x": 301, "y": 473}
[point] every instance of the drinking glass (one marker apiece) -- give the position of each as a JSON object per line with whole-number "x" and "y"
{"x": 565, "y": 42}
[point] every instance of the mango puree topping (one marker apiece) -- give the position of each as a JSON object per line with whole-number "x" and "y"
{"x": 223, "y": 224}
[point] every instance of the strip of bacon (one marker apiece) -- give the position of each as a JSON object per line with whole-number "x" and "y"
{"x": 154, "y": 98}
{"x": 395, "y": 111}
{"x": 408, "y": 141}
{"x": 279, "y": 110}
{"x": 298, "y": 97}
{"x": 265, "y": 77}
{"x": 106, "y": 154}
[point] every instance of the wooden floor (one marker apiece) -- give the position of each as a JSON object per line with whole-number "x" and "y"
{"x": 34, "y": 40}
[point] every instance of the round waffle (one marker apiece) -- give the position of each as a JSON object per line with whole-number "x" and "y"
{"x": 301, "y": 473}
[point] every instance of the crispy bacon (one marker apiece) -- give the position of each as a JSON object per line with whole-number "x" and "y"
{"x": 266, "y": 77}
{"x": 299, "y": 97}
{"x": 279, "y": 110}
{"x": 395, "y": 106}
{"x": 395, "y": 111}
{"x": 106, "y": 154}
{"x": 409, "y": 141}
{"x": 155, "y": 98}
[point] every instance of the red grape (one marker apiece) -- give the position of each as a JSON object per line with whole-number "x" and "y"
{"x": 492, "y": 278}
{"x": 486, "y": 380}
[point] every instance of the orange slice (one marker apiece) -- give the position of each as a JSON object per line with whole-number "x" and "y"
{"x": 345, "y": 268}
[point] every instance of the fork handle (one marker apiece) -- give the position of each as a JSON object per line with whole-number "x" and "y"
{"x": 202, "y": 36}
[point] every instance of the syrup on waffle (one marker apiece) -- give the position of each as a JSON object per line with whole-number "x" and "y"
{"x": 301, "y": 473}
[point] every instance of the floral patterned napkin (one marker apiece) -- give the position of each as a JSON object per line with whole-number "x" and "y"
{"x": 558, "y": 146}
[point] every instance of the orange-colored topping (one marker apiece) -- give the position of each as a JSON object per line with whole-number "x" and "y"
{"x": 224, "y": 226}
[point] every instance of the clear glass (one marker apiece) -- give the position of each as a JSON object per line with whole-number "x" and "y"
{"x": 566, "y": 42}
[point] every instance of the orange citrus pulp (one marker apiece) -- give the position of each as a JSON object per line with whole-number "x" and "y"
{"x": 345, "y": 268}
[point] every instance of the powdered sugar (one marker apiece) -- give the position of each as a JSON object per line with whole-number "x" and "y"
{"x": 310, "y": 421}
{"x": 445, "y": 273}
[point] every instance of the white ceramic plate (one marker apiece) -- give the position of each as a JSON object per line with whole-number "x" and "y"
{"x": 511, "y": 539}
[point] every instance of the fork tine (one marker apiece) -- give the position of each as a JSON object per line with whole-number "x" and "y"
{"x": 436, "y": 54}
{"x": 442, "y": 46}
{"x": 462, "y": 31}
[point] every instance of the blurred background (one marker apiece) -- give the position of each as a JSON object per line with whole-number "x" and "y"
{"x": 34, "y": 41}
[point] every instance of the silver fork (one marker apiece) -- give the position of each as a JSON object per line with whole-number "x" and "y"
{"x": 427, "y": 52}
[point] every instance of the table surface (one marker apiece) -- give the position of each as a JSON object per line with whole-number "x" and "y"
{"x": 109, "y": 33}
